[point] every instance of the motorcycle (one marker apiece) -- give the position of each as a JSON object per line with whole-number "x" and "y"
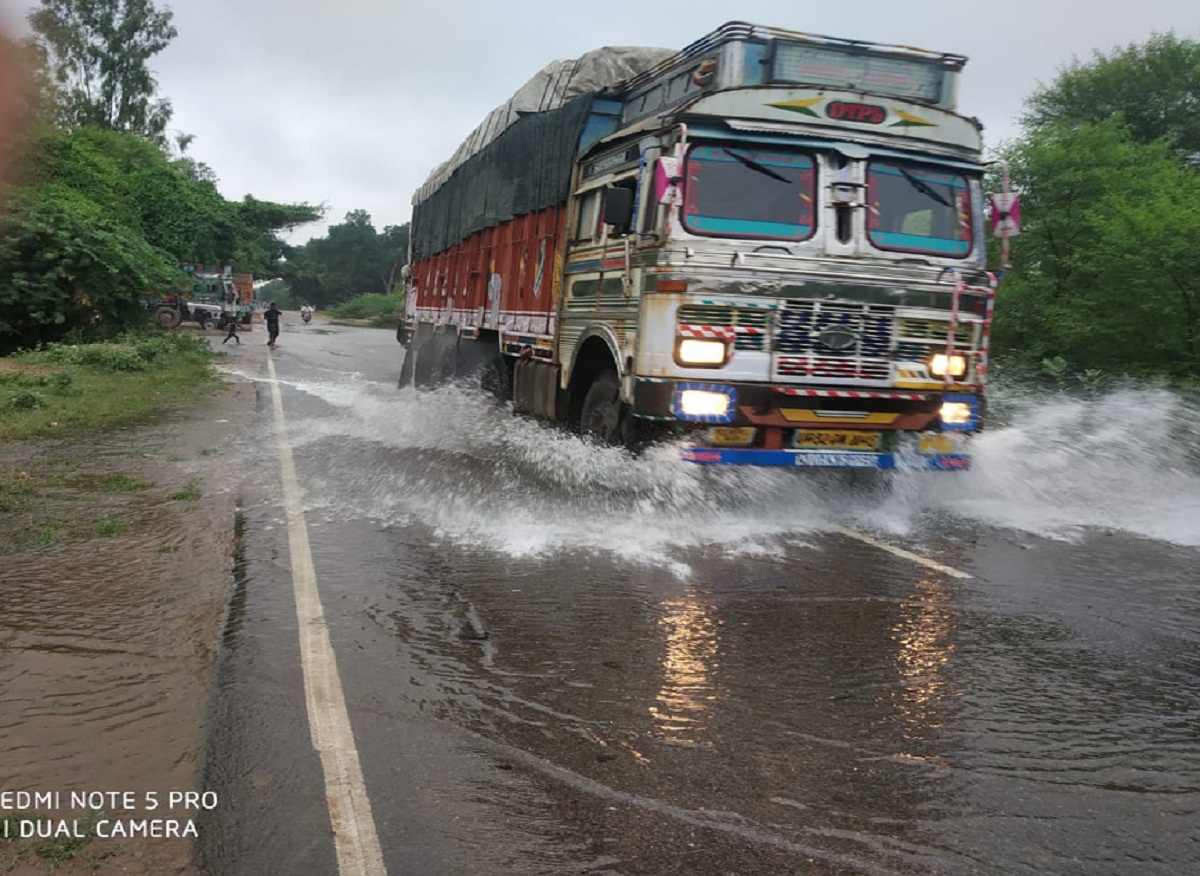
{"x": 306, "y": 316}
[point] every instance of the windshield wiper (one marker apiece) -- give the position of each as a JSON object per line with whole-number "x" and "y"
{"x": 923, "y": 187}
{"x": 754, "y": 165}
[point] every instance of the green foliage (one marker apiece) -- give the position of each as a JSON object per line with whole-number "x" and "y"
{"x": 258, "y": 247}
{"x": 1106, "y": 274}
{"x": 353, "y": 259}
{"x": 1151, "y": 87}
{"x": 279, "y": 292}
{"x": 25, "y": 399}
{"x": 87, "y": 386}
{"x": 61, "y": 259}
{"x": 104, "y": 221}
{"x": 369, "y": 306}
{"x": 99, "y": 50}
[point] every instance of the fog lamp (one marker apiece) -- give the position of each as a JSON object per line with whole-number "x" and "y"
{"x": 956, "y": 413}
{"x": 704, "y": 403}
{"x": 699, "y": 403}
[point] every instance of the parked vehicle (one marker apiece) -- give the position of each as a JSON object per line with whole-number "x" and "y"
{"x": 771, "y": 242}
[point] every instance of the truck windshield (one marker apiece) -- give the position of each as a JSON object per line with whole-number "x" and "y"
{"x": 749, "y": 193}
{"x": 918, "y": 209}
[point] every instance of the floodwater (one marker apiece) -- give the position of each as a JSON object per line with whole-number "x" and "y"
{"x": 109, "y": 624}
{"x": 559, "y": 658}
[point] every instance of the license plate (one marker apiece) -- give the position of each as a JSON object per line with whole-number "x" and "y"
{"x": 731, "y": 436}
{"x": 837, "y": 438}
{"x": 936, "y": 444}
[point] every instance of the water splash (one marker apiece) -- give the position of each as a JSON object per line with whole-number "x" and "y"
{"x": 470, "y": 471}
{"x": 1122, "y": 461}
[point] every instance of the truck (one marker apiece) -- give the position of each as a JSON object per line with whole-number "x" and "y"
{"x": 770, "y": 245}
{"x": 217, "y": 295}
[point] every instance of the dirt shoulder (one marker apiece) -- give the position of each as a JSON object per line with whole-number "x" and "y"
{"x": 116, "y": 567}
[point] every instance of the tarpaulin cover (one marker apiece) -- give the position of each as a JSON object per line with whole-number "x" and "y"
{"x": 520, "y": 158}
{"x": 526, "y": 168}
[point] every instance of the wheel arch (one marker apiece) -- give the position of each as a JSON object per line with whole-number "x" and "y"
{"x": 595, "y": 352}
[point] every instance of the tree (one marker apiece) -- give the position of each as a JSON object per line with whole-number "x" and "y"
{"x": 105, "y": 220}
{"x": 350, "y": 260}
{"x": 98, "y": 51}
{"x": 1154, "y": 88}
{"x": 1107, "y": 271}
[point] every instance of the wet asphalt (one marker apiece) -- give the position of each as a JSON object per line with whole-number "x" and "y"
{"x": 560, "y": 660}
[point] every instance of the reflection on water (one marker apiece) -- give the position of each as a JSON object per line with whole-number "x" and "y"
{"x": 925, "y": 646}
{"x": 687, "y": 693}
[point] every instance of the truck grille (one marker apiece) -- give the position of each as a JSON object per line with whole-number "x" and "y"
{"x": 835, "y": 340}
{"x": 749, "y": 324}
{"x": 916, "y": 339}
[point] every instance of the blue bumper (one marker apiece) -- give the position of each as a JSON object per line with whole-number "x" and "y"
{"x": 826, "y": 459}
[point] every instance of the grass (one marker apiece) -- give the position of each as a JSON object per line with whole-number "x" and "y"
{"x": 110, "y": 527}
{"x": 122, "y": 483}
{"x": 16, "y": 489}
{"x": 65, "y": 389}
{"x": 53, "y": 504}
{"x": 52, "y": 852}
{"x": 190, "y": 493}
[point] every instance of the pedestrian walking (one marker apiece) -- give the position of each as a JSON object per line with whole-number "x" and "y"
{"x": 271, "y": 315}
{"x": 233, "y": 331}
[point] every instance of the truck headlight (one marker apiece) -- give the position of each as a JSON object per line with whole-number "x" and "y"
{"x": 704, "y": 402}
{"x": 954, "y": 364}
{"x": 701, "y": 351}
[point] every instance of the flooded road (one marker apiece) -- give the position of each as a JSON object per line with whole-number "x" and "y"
{"x": 558, "y": 659}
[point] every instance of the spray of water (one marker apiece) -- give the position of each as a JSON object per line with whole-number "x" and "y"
{"x": 472, "y": 472}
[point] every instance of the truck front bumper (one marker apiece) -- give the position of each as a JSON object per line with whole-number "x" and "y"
{"x": 815, "y": 427}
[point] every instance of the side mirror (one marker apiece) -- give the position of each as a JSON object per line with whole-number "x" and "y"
{"x": 618, "y": 207}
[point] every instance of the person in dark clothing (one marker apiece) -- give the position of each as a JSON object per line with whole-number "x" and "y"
{"x": 233, "y": 331}
{"x": 271, "y": 315}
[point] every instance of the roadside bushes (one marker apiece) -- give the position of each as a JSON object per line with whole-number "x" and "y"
{"x": 129, "y": 352}
{"x": 62, "y": 387}
{"x": 381, "y": 310}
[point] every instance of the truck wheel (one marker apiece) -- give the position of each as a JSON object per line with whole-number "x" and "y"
{"x": 202, "y": 319}
{"x": 601, "y": 415}
{"x": 496, "y": 380}
{"x": 167, "y": 317}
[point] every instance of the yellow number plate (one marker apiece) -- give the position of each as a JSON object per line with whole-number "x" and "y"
{"x": 839, "y": 439}
{"x": 936, "y": 444}
{"x": 731, "y": 435}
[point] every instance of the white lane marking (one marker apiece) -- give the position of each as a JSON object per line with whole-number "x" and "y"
{"x": 900, "y": 552}
{"x": 354, "y": 837}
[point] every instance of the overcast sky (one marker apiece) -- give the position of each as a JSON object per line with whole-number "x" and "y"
{"x": 351, "y": 103}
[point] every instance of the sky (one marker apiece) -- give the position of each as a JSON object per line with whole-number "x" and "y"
{"x": 352, "y": 103}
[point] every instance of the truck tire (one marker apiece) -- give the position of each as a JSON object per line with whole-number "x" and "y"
{"x": 202, "y": 319}
{"x": 167, "y": 317}
{"x": 602, "y": 411}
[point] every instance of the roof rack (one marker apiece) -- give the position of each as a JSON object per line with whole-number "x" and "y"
{"x": 741, "y": 30}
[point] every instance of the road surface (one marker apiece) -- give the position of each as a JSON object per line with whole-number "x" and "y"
{"x": 521, "y": 654}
